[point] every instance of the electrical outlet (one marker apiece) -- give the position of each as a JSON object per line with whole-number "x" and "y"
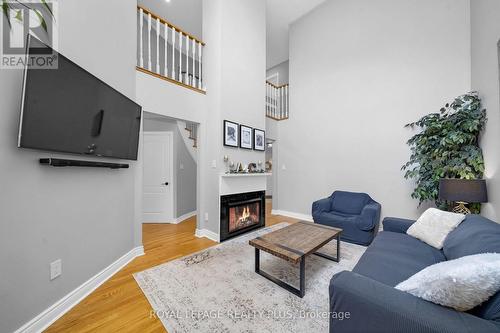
{"x": 181, "y": 166}
{"x": 214, "y": 164}
{"x": 206, "y": 216}
{"x": 55, "y": 269}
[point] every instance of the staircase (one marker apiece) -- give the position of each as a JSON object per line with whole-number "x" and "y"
{"x": 192, "y": 129}
{"x": 189, "y": 134}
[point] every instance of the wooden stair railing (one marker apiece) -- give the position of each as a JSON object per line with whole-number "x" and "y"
{"x": 277, "y": 101}
{"x": 169, "y": 53}
{"x": 192, "y": 128}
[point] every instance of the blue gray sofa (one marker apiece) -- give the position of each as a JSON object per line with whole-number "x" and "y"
{"x": 374, "y": 305}
{"x": 357, "y": 214}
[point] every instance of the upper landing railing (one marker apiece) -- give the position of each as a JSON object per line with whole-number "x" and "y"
{"x": 167, "y": 52}
{"x": 277, "y": 101}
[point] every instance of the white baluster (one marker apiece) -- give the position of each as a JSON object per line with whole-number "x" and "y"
{"x": 274, "y": 103}
{"x": 173, "y": 53}
{"x": 186, "y": 79}
{"x": 269, "y": 107}
{"x": 187, "y": 60}
{"x": 200, "y": 81}
{"x": 166, "y": 49}
{"x": 157, "y": 46}
{"x": 278, "y": 92}
{"x": 266, "y": 99}
{"x": 141, "y": 44}
{"x": 280, "y": 101}
{"x": 149, "y": 41}
{"x": 287, "y": 102}
{"x": 180, "y": 56}
{"x": 194, "y": 62}
{"x": 283, "y": 102}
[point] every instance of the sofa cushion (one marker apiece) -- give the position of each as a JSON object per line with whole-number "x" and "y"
{"x": 489, "y": 310}
{"x": 349, "y": 202}
{"x": 350, "y": 231}
{"x": 474, "y": 235}
{"x": 461, "y": 284}
{"x": 434, "y": 225}
{"x": 394, "y": 257}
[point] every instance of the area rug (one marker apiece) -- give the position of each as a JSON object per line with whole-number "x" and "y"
{"x": 217, "y": 290}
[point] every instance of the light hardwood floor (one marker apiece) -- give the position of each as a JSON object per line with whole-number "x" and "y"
{"x": 119, "y": 304}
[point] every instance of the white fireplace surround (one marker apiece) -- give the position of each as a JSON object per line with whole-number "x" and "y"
{"x": 235, "y": 184}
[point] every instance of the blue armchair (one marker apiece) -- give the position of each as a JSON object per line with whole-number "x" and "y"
{"x": 356, "y": 213}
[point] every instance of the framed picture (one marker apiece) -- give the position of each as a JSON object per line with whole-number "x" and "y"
{"x": 259, "y": 140}
{"x": 231, "y": 134}
{"x": 246, "y": 141}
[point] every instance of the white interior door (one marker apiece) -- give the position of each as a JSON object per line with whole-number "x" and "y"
{"x": 157, "y": 179}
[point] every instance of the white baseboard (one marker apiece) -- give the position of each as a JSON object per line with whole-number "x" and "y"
{"x": 184, "y": 217}
{"x": 58, "y": 309}
{"x": 299, "y": 216}
{"x": 207, "y": 234}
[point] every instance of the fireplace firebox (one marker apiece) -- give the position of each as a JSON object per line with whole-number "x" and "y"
{"x": 241, "y": 213}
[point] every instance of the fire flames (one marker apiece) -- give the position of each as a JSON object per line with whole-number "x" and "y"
{"x": 245, "y": 215}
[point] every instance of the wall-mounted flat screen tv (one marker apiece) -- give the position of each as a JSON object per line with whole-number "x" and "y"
{"x": 69, "y": 110}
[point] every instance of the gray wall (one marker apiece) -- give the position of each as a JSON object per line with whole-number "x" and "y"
{"x": 385, "y": 63}
{"x": 185, "y": 178}
{"x": 282, "y": 70}
{"x": 485, "y": 35}
{"x": 84, "y": 216}
{"x": 235, "y": 69}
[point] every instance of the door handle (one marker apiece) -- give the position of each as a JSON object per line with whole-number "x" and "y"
{"x": 166, "y": 184}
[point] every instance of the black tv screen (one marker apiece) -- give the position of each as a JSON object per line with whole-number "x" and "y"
{"x": 70, "y": 110}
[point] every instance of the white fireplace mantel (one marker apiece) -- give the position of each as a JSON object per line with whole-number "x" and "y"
{"x": 242, "y": 183}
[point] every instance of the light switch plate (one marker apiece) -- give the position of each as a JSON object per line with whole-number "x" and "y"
{"x": 55, "y": 269}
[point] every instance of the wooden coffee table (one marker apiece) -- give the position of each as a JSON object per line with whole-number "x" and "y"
{"x": 294, "y": 243}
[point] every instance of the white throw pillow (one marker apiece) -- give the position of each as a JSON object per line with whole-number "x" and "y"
{"x": 434, "y": 225}
{"x": 461, "y": 284}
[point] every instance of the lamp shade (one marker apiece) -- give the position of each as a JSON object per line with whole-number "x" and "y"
{"x": 466, "y": 190}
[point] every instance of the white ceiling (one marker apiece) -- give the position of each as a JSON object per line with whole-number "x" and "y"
{"x": 280, "y": 14}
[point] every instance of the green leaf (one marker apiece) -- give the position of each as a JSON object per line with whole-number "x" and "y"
{"x": 6, "y": 12}
{"x": 47, "y": 7}
{"x": 42, "y": 19}
{"x": 19, "y": 15}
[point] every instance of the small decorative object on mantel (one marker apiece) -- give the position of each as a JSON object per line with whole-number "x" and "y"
{"x": 227, "y": 162}
{"x": 252, "y": 168}
{"x": 231, "y": 134}
{"x": 246, "y": 137}
{"x": 259, "y": 140}
{"x": 463, "y": 192}
{"x": 269, "y": 166}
